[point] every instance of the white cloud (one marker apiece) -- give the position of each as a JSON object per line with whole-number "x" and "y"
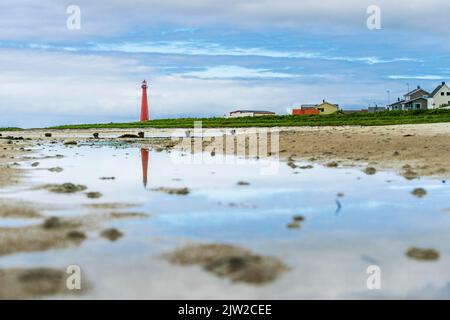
{"x": 418, "y": 77}
{"x": 65, "y": 84}
{"x": 215, "y": 49}
{"x": 228, "y": 72}
{"x": 46, "y": 19}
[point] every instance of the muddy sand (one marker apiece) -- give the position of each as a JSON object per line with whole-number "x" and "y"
{"x": 10, "y": 153}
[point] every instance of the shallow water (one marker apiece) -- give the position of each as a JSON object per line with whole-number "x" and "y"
{"x": 374, "y": 223}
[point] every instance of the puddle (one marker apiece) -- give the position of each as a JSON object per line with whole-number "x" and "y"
{"x": 351, "y": 221}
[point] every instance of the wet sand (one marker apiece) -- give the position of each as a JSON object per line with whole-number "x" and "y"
{"x": 10, "y": 151}
{"x": 420, "y": 150}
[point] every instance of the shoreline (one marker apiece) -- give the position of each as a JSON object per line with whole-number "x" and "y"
{"x": 410, "y": 150}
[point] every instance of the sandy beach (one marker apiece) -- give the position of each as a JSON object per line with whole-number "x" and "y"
{"x": 421, "y": 149}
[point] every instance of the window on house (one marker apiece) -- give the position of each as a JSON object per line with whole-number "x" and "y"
{"x": 417, "y": 105}
{"x": 321, "y": 109}
{"x": 442, "y": 93}
{"x": 448, "y": 93}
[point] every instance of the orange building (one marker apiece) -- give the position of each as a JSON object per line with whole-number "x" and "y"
{"x": 303, "y": 112}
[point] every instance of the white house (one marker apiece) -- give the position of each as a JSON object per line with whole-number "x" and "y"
{"x": 439, "y": 97}
{"x": 250, "y": 113}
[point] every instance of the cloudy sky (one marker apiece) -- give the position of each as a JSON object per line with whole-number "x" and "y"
{"x": 208, "y": 57}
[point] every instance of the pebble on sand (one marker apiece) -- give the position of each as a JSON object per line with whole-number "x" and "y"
{"x": 93, "y": 195}
{"x": 70, "y": 143}
{"x": 31, "y": 283}
{"x": 332, "y": 164}
{"x": 410, "y": 175}
{"x": 111, "y": 234}
{"x": 370, "y": 171}
{"x": 419, "y": 192}
{"x": 243, "y": 183}
{"x": 422, "y": 254}
{"x": 294, "y": 225}
{"x": 176, "y": 191}
{"x": 129, "y": 136}
{"x": 65, "y": 188}
{"x": 298, "y": 218}
{"x": 234, "y": 263}
{"x": 76, "y": 236}
{"x": 57, "y": 223}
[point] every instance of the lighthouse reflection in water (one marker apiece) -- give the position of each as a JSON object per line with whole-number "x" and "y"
{"x": 144, "y": 159}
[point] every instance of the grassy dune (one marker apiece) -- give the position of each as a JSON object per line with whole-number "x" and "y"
{"x": 338, "y": 119}
{"x": 10, "y": 129}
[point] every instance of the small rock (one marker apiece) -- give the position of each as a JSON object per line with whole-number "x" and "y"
{"x": 35, "y": 164}
{"x": 56, "y": 169}
{"x": 292, "y": 164}
{"x": 141, "y": 135}
{"x": 370, "y": 171}
{"x": 410, "y": 175}
{"x": 96, "y": 135}
{"x": 128, "y": 136}
{"x": 57, "y": 223}
{"x": 52, "y": 223}
{"x": 243, "y": 183}
{"x": 111, "y": 234}
{"x": 107, "y": 178}
{"x": 332, "y": 164}
{"x": 298, "y": 218}
{"x": 294, "y": 225}
{"x": 48, "y": 135}
{"x": 234, "y": 263}
{"x": 176, "y": 191}
{"x": 419, "y": 192}
{"x": 93, "y": 195}
{"x": 65, "y": 188}
{"x": 422, "y": 254}
{"x": 76, "y": 235}
{"x": 70, "y": 143}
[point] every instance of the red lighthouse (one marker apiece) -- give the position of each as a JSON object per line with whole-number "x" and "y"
{"x": 144, "y": 103}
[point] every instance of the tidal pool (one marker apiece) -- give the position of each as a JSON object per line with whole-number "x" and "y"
{"x": 352, "y": 221}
